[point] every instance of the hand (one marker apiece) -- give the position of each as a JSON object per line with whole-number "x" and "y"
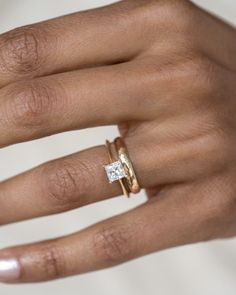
{"x": 165, "y": 73}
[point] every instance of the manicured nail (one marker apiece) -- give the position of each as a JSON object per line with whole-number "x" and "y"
{"x": 9, "y": 270}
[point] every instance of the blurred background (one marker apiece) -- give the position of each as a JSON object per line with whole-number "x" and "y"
{"x": 208, "y": 268}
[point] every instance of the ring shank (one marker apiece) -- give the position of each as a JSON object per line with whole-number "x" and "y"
{"x": 131, "y": 179}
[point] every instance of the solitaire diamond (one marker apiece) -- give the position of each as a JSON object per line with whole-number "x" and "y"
{"x": 115, "y": 171}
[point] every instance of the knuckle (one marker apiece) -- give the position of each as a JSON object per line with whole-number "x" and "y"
{"x": 67, "y": 184}
{"x": 113, "y": 244}
{"x": 214, "y": 150}
{"x": 20, "y": 50}
{"x": 53, "y": 262}
{"x": 31, "y": 104}
{"x": 221, "y": 149}
{"x": 203, "y": 73}
{"x": 180, "y": 11}
{"x": 162, "y": 13}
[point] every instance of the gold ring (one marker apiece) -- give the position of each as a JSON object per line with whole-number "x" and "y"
{"x": 120, "y": 167}
{"x": 114, "y": 169}
{"x": 123, "y": 155}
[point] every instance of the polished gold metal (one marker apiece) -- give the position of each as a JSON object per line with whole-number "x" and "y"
{"x": 112, "y": 159}
{"x": 123, "y": 155}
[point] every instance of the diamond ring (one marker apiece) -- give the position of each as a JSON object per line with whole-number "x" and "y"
{"x": 120, "y": 167}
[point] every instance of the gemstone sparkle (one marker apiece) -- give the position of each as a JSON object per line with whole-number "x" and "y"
{"x": 115, "y": 171}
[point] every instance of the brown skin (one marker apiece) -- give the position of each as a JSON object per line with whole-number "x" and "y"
{"x": 165, "y": 73}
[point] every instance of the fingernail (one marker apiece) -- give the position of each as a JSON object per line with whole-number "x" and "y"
{"x": 9, "y": 270}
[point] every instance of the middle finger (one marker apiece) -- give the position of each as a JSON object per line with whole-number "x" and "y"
{"x": 74, "y": 100}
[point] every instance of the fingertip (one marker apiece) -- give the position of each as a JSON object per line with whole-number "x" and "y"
{"x": 10, "y": 269}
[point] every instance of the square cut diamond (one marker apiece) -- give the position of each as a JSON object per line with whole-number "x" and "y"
{"x": 115, "y": 171}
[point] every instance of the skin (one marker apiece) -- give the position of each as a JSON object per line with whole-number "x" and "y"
{"x": 164, "y": 72}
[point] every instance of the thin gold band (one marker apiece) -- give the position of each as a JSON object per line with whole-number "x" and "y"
{"x": 131, "y": 178}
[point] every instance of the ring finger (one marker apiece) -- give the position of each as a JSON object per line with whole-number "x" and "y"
{"x": 61, "y": 185}
{"x": 80, "y": 179}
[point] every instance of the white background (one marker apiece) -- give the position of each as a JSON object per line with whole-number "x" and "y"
{"x": 204, "y": 269}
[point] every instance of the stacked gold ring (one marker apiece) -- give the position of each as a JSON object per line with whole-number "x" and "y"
{"x": 120, "y": 167}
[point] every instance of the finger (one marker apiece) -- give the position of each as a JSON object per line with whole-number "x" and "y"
{"x": 80, "y": 179}
{"x": 67, "y": 183}
{"x": 79, "y": 40}
{"x": 74, "y": 100}
{"x": 128, "y": 92}
{"x": 157, "y": 225}
{"x": 57, "y": 186}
